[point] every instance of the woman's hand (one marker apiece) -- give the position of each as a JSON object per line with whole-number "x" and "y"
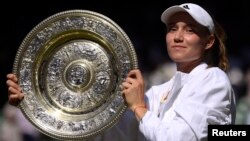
{"x": 14, "y": 90}
{"x": 133, "y": 91}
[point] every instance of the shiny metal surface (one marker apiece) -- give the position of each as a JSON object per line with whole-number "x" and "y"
{"x": 70, "y": 67}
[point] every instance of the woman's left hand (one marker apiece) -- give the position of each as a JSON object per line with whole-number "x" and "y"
{"x": 133, "y": 89}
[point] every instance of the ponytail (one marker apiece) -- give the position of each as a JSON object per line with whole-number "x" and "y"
{"x": 217, "y": 56}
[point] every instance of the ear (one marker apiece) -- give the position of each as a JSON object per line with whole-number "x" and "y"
{"x": 210, "y": 41}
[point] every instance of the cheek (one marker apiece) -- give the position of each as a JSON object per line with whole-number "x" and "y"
{"x": 168, "y": 37}
{"x": 190, "y": 53}
{"x": 195, "y": 53}
{"x": 169, "y": 41}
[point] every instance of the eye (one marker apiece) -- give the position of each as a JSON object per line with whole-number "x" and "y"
{"x": 189, "y": 30}
{"x": 171, "y": 29}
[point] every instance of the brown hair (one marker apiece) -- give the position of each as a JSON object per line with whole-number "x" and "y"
{"x": 216, "y": 55}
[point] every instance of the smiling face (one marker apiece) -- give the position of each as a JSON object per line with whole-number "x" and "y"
{"x": 186, "y": 39}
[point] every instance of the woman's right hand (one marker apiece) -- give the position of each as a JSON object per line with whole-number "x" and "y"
{"x": 14, "y": 90}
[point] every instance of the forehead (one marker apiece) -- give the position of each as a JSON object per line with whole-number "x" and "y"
{"x": 189, "y": 21}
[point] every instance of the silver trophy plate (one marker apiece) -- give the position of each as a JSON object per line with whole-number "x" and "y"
{"x": 70, "y": 67}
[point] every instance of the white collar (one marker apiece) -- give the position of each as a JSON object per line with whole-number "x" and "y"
{"x": 198, "y": 69}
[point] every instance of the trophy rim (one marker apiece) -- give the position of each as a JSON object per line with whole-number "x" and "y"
{"x": 22, "y": 48}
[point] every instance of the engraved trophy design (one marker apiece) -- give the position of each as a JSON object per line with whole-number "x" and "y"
{"x": 70, "y": 67}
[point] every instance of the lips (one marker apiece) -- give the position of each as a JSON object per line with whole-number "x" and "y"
{"x": 178, "y": 47}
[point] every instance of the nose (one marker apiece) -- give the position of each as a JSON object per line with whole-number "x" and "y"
{"x": 178, "y": 37}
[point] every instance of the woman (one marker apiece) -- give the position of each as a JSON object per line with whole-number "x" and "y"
{"x": 199, "y": 93}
